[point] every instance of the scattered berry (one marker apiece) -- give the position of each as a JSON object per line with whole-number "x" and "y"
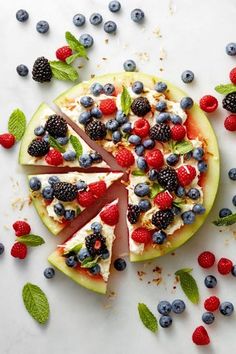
{"x": 186, "y": 175}
{"x": 63, "y": 53}
{"x": 86, "y": 40}
{"x": 7, "y": 140}
{"x": 129, "y": 65}
{"x": 210, "y": 281}
{"x": 22, "y": 15}
{"x": 232, "y": 76}
{"x": 208, "y": 103}
{"x": 232, "y": 174}
{"x": 212, "y": 303}
{"x": 200, "y": 336}
{"x": 22, "y": 70}
{"x": 178, "y": 306}
{"x": 110, "y": 27}
{"x": 233, "y": 270}
{"x": 114, "y": 6}
{"x": 54, "y": 157}
{"x": 164, "y": 308}
{"x": 224, "y": 266}
{"x": 137, "y": 15}
{"x": 85, "y": 198}
{"x": 49, "y": 273}
{"x": 95, "y": 19}
{"x": 231, "y": 49}
{"x": 178, "y": 132}
{"x": 226, "y": 308}
{"x": 41, "y": 70}
{"x": 19, "y": 250}
{"x": 187, "y": 76}
{"x": 108, "y": 106}
{"x": 79, "y": 20}
{"x": 164, "y": 200}
{"x": 141, "y": 235}
{"x": 98, "y": 189}
{"x": 234, "y": 200}
{"x": 110, "y": 215}
{"x": 229, "y": 102}
{"x": 2, "y": 248}
{"x": 230, "y": 123}
{"x": 206, "y": 259}
{"x": 42, "y": 27}
{"x": 208, "y": 318}
{"x": 124, "y": 157}
{"x": 21, "y": 228}
{"x": 224, "y": 212}
{"x": 165, "y": 321}
{"x": 120, "y": 264}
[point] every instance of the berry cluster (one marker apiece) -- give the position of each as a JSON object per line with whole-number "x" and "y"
{"x": 21, "y": 228}
{"x": 165, "y": 308}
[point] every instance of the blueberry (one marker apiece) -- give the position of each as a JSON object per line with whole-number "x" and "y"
{"x": 176, "y": 210}
{"x": 129, "y": 65}
{"x": 53, "y": 179}
{"x": 96, "y": 227}
{"x": 226, "y": 308}
{"x": 121, "y": 117}
{"x": 42, "y": 27}
{"x": 231, "y": 49}
{"x": 2, "y": 248}
{"x": 86, "y": 40}
{"x": 48, "y": 192}
{"x": 160, "y": 87}
{"x": 232, "y": 174}
{"x": 22, "y": 70}
{"x": 165, "y": 321}
{"x": 83, "y": 254}
{"x": 188, "y": 217}
{"x": 152, "y": 174}
{"x": 71, "y": 262}
{"x": 188, "y": 156}
{"x": 159, "y": 237}
{"x": 141, "y": 163}
{"x": 234, "y": 200}
{"x": 134, "y": 139}
{"x": 208, "y": 318}
{"x": 96, "y": 157}
{"x": 164, "y": 307}
{"x": 178, "y": 306}
{"x": 114, "y": 6}
{"x": 22, "y": 15}
{"x": 109, "y": 89}
{"x": 34, "y": 184}
{"x": 105, "y": 254}
{"x": 110, "y": 27}
{"x": 85, "y": 160}
{"x": 202, "y": 166}
{"x": 198, "y": 153}
{"x": 137, "y": 87}
{"x": 193, "y": 193}
{"x": 172, "y": 159}
{"x": 180, "y": 192}
{"x": 49, "y": 273}
{"x": 141, "y": 189}
{"x": 86, "y": 101}
{"x": 137, "y": 15}
{"x": 199, "y": 209}
{"x": 187, "y": 76}
{"x": 69, "y": 155}
{"x": 175, "y": 119}
{"x": 224, "y": 212}
{"x": 139, "y": 150}
{"x": 161, "y": 106}
{"x": 116, "y": 136}
{"x": 148, "y": 143}
{"x": 95, "y": 270}
{"x": 81, "y": 185}
{"x": 96, "y": 89}
{"x": 46, "y": 137}
{"x": 84, "y": 117}
{"x": 210, "y": 281}
{"x": 119, "y": 264}
{"x": 127, "y": 127}
{"x": 112, "y": 125}
{"x": 96, "y": 112}
{"x": 162, "y": 117}
{"x": 59, "y": 209}
{"x": 63, "y": 140}
{"x": 233, "y": 270}
{"x": 69, "y": 214}
{"x": 144, "y": 205}
{"x": 79, "y": 20}
{"x": 39, "y": 131}
{"x": 186, "y": 103}
{"x": 95, "y": 19}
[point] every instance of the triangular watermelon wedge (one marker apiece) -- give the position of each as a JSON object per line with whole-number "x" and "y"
{"x": 75, "y": 247}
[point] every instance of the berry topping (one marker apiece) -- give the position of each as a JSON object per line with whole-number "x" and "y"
{"x": 224, "y": 266}
{"x": 212, "y": 303}
{"x": 164, "y": 200}
{"x": 232, "y": 76}
{"x": 56, "y": 126}
{"x": 7, "y": 140}
{"x": 229, "y": 102}
{"x": 208, "y": 103}
{"x": 200, "y": 336}
{"x": 124, "y": 157}
{"x": 137, "y": 87}
{"x": 110, "y": 215}
{"x": 41, "y": 70}
{"x": 38, "y": 148}
{"x": 141, "y": 189}
{"x": 54, "y": 158}
{"x": 64, "y": 191}
{"x": 140, "y": 106}
{"x": 206, "y": 259}
{"x": 159, "y": 237}
{"x": 85, "y": 198}
{"x": 19, "y": 250}
{"x": 120, "y": 264}
{"x": 155, "y": 158}
{"x": 133, "y": 213}
{"x": 186, "y": 174}
{"x": 230, "y": 123}
{"x": 186, "y": 103}
{"x": 96, "y": 130}
{"x": 2, "y": 248}
{"x": 98, "y": 188}
{"x": 167, "y": 178}
{"x": 178, "y": 132}
{"x": 162, "y": 218}
{"x": 160, "y": 132}
{"x": 63, "y": 53}
{"x": 141, "y": 127}
{"x": 21, "y": 228}
{"x": 108, "y": 106}
{"x": 141, "y": 235}
{"x": 95, "y": 244}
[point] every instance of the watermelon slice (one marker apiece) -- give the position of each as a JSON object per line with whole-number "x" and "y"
{"x": 57, "y": 221}
{"x": 79, "y": 146}
{"x": 81, "y": 271}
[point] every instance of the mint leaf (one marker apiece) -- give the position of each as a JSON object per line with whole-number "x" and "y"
{"x": 31, "y": 240}
{"x": 71, "y": 58}
{"x": 75, "y": 249}
{"x": 183, "y": 147}
{"x": 138, "y": 172}
{"x": 147, "y": 317}
{"x": 76, "y": 145}
{"x": 36, "y": 302}
{"x": 89, "y": 262}
{"x": 188, "y": 284}
{"x": 54, "y": 144}
{"x": 125, "y": 101}
{"x": 75, "y": 45}
{"x": 154, "y": 190}
{"x": 225, "y": 89}
{"x": 17, "y": 124}
{"x": 63, "y": 71}
{"x": 226, "y": 221}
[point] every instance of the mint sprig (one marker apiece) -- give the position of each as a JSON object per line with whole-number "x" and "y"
{"x": 138, "y": 172}
{"x": 226, "y": 221}
{"x": 74, "y": 249}
{"x": 36, "y": 302}
{"x": 188, "y": 284}
{"x": 17, "y": 124}
{"x": 182, "y": 147}
{"x": 147, "y": 317}
{"x": 125, "y": 101}
{"x": 77, "y": 146}
{"x": 31, "y": 240}
{"x": 54, "y": 144}
{"x": 89, "y": 262}
{"x": 76, "y": 46}
{"x": 225, "y": 89}
{"x": 63, "y": 71}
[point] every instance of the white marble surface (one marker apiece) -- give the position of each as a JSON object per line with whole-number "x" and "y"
{"x": 193, "y": 36}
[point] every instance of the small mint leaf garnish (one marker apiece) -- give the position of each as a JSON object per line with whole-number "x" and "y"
{"x": 226, "y": 221}
{"x": 89, "y": 262}
{"x": 75, "y": 249}
{"x": 155, "y": 189}
{"x": 36, "y": 302}
{"x": 17, "y": 124}
{"x": 77, "y": 146}
{"x": 138, "y": 172}
{"x": 147, "y": 317}
{"x": 31, "y": 240}
{"x": 63, "y": 71}
{"x": 188, "y": 284}
{"x": 54, "y": 144}
{"x": 125, "y": 101}
{"x": 75, "y": 45}
{"x": 72, "y": 58}
{"x": 225, "y": 89}
{"x": 182, "y": 147}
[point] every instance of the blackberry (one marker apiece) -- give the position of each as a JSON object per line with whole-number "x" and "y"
{"x": 64, "y": 191}
{"x": 41, "y": 70}
{"x": 140, "y": 106}
{"x": 229, "y": 102}
{"x": 167, "y": 177}
{"x": 38, "y": 148}
{"x": 95, "y": 244}
{"x": 56, "y": 126}
{"x": 96, "y": 130}
{"x": 160, "y": 132}
{"x": 133, "y": 213}
{"x": 162, "y": 218}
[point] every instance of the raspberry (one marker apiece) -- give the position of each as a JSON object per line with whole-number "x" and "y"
{"x": 164, "y": 200}
{"x": 200, "y": 336}
{"x": 21, "y": 228}
{"x": 110, "y": 215}
{"x": 224, "y": 266}
{"x": 63, "y": 53}
{"x": 98, "y": 188}
{"x": 7, "y": 140}
{"x": 208, "y": 103}
{"x": 186, "y": 174}
{"x": 206, "y": 259}
{"x": 19, "y": 250}
{"x": 155, "y": 158}
{"x": 124, "y": 157}
{"x": 85, "y": 198}
{"x": 212, "y": 303}
{"x": 141, "y": 127}
{"x": 141, "y": 235}
{"x": 54, "y": 158}
{"x": 230, "y": 123}
{"x": 108, "y": 106}
{"x": 178, "y": 132}
{"x": 232, "y": 76}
